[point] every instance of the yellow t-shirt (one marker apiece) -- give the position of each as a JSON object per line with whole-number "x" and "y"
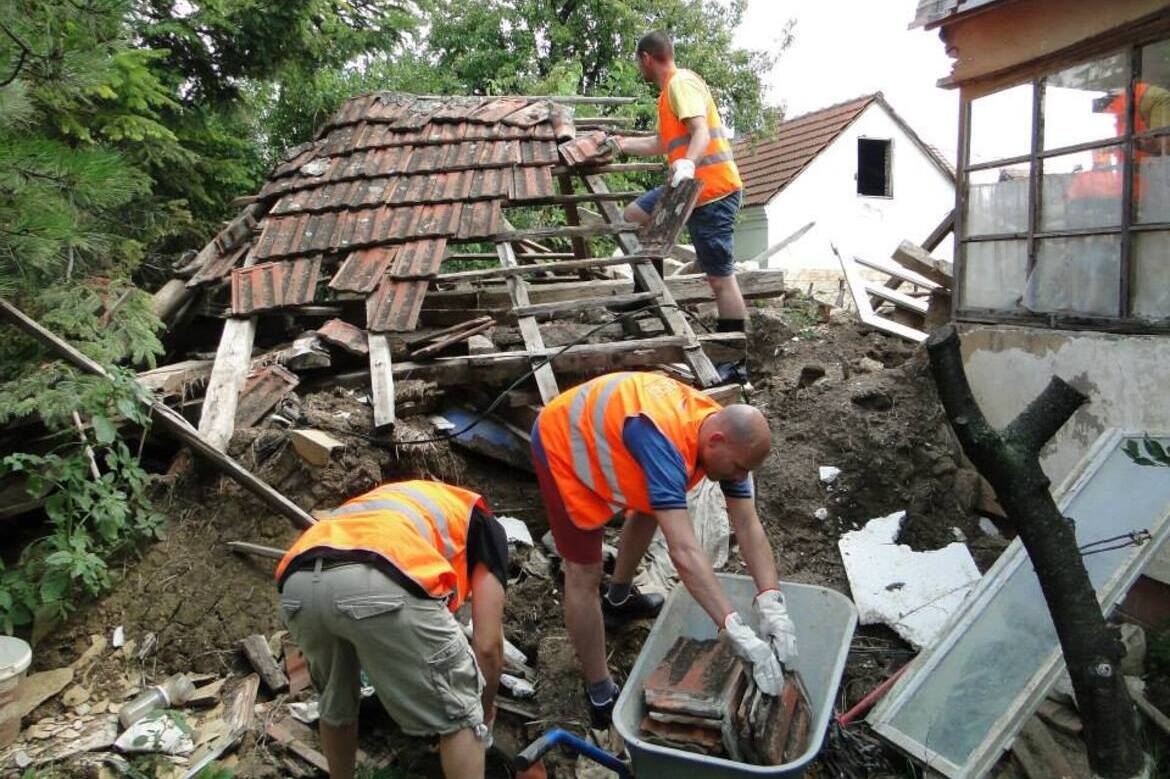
{"x": 687, "y": 95}
{"x": 1154, "y": 106}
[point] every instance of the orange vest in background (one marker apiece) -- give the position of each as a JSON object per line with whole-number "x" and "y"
{"x": 716, "y": 168}
{"x": 419, "y": 527}
{"x": 581, "y": 433}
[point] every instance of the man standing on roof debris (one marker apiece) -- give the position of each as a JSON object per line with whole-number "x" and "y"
{"x": 372, "y": 587}
{"x": 695, "y": 141}
{"x": 636, "y": 443}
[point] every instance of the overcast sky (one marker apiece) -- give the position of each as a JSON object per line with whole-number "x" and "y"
{"x": 846, "y": 48}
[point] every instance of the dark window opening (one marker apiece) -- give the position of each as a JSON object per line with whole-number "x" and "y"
{"x": 873, "y": 168}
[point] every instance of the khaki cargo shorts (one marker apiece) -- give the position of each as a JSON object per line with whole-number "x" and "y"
{"x": 352, "y": 618}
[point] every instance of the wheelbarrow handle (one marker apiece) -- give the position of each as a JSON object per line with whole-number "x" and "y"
{"x": 558, "y": 737}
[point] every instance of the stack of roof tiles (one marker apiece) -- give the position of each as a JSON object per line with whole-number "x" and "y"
{"x": 375, "y": 199}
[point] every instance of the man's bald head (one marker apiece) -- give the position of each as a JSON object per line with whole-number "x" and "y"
{"x": 734, "y": 441}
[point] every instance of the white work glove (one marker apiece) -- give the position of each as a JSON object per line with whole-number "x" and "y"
{"x": 682, "y": 170}
{"x": 483, "y": 731}
{"x": 776, "y": 625}
{"x": 765, "y": 667}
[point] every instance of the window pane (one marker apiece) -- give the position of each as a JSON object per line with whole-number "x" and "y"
{"x": 997, "y": 201}
{"x": 1150, "y": 293}
{"x": 993, "y": 274}
{"x": 1152, "y": 186}
{"x": 1086, "y": 102}
{"x": 1079, "y": 275}
{"x": 1153, "y": 105}
{"x": 1082, "y": 190}
{"x": 1001, "y": 125}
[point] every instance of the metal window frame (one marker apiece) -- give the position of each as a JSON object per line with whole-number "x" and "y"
{"x": 1110, "y": 593}
{"x": 1124, "y": 322}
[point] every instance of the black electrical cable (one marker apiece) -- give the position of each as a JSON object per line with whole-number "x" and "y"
{"x": 482, "y": 415}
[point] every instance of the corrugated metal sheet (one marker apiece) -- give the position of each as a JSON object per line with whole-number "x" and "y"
{"x": 363, "y": 269}
{"x": 767, "y": 165}
{"x": 419, "y": 259}
{"x": 529, "y": 116}
{"x": 341, "y": 333}
{"x": 582, "y": 149}
{"x": 496, "y": 110}
{"x": 274, "y": 285}
{"x": 479, "y": 220}
{"x": 531, "y": 183}
{"x": 395, "y": 305}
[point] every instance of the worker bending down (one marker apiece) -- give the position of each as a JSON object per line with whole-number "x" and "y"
{"x": 635, "y": 443}
{"x": 373, "y": 587}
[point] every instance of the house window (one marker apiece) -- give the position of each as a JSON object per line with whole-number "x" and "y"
{"x": 873, "y": 167}
{"x": 1065, "y": 208}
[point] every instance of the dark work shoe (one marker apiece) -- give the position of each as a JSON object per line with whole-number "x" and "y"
{"x": 636, "y": 606}
{"x": 601, "y": 715}
{"x": 732, "y": 372}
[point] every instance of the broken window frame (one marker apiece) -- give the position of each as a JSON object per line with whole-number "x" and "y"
{"x": 888, "y": 175}
{"x": 884, "y": 718}
{"x": 1125, "y": 321}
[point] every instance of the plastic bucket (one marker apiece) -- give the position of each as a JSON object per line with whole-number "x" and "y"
{"x": 15, "y": 657}
{"x": 824, "y": 628}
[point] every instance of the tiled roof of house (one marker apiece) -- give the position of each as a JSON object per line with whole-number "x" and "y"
{"x": 767, "y": 165}
{"x": 372, "y": 203}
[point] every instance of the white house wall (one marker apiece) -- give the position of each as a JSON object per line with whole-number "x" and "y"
{"x": 826, "y": 193}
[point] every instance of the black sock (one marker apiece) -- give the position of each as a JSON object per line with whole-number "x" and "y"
{"x": 729, "y": 325}
{"x": 619, "y": 592}
{"x": 601, "y": 693}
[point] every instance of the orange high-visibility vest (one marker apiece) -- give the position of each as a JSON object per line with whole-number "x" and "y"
{"x": 419, "y": 527}
{"x": 581, "y": 433}
{"x": 716, "y": 168}
{"x": 1103, "y": 180}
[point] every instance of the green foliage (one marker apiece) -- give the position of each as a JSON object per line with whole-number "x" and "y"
{"x": 91, "y": 518}
{"x": 1151, "y": 453}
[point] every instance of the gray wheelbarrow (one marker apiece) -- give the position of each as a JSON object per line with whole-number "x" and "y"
{"x": 824, "y": 620}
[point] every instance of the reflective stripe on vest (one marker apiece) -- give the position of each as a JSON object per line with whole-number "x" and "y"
{"x": 407, "y": 510}
{"x": 685, "y": 140}
{"x": 580, "y": 447}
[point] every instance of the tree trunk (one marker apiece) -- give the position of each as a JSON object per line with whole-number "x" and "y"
{"x": 1010, "y": 461}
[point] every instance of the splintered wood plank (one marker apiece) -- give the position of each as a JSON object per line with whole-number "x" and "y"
{"x": 899, "y": 299}
{"x": 546, "y": 381}
{"x": 649, "y": 280}
{"x": 865, "y": 312}
{"x": 555, "y": 309}
{"x": 919, "y": 260}
{"x": 381, "y": 381}
{"x": 669, "y": 216}
{"x": 233, "y": 357}
{"x": 581, "y": 248}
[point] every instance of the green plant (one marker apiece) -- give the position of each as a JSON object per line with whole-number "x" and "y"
{"x": 91, "y": 518}
{"x": 1155, "y": 454}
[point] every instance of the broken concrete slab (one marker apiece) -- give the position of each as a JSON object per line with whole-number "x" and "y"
{"x": 913, "y": 592}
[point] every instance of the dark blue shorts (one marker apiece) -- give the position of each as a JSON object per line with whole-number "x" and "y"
{"x": 712, "y": 229}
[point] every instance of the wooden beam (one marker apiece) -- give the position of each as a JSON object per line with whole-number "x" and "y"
{"x": 452, "y": 339}
{"x": 551, "y": 310}
{"x": 535, "y": 270}
{"x": 575, "y": 198}
{"x": 865, "y": 312}
{"x": 381, "y": 381}
{"x": 944, "y": 228}
{"x": 579, "y": 359}
{"x": 898, "y": 272}
{"x": 919, "y": 260}
{"x": 256, "y": 550}
{"x": 546, "y": 381}
{"x": 898, "y": 299}
{"x": 233, "y": 359}
{"x": 617, "y": 167}
{"x": 166, "y": 418}
{"x": 563, "y": 232}
{"x": 520, "y": 256}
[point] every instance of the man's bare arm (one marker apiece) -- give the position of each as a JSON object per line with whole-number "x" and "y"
{"x": 694, "y": 569}
{"x": 648, "y": 146}
{"x": 487, "y": 640}
{"x": 753, "y": 542}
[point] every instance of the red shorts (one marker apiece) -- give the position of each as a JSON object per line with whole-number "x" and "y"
{"x": 574, "y": 544}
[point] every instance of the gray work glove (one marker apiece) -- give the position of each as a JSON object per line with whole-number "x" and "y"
{"x": 610, "y": 147}
{"x": 765, "y": 667}
{"x": 776, "y": 625}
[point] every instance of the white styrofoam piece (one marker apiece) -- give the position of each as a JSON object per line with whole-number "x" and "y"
{"x": 912, "y": 592}
{"x": 516, "y": 531}
{"x": 828, "y": 473}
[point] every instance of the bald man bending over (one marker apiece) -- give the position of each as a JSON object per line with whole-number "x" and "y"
{"x": 634, "y": 444}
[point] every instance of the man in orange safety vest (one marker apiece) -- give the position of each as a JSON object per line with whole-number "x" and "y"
{"x": 635, "y": 443}
{"x": 697, "y": 145}
{"x": 372, "y": 587}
